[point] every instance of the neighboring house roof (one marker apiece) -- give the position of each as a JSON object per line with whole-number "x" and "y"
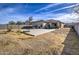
{"x": 43, "y": 21}
{"x": 38, "y": 21}
{"x": 52, "y": 21}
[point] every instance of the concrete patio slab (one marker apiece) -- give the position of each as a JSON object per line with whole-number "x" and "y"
{"x": 37, "y": 32}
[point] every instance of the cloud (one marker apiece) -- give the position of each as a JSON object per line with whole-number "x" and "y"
{"x": 13, "y": 18}
{"x": 13, "y": 8}
{"x": 63, "y": 17}
{"x": 24, "y": 17}
{"x": 64, "y": 8}
{"x": 48, "y": 6}
{"x": 8, "y": 10}
{"x": 68, "y": 18}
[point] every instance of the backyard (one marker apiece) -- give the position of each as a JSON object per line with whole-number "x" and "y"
{"x": 59, "y": 41}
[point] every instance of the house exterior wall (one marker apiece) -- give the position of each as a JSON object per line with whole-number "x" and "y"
{"x": 37, "y": 24}
{"x": 58, "y": 24}
{"x": 43, "y": 25}
{"x": 62, "y": 25}
{"x": 76, "y": 27}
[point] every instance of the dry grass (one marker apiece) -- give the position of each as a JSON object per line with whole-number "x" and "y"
{"x": 50, "y": 43}
{"x": 19, "y": 35}
{"x": 9, "y": 45}
{"x": 10, "y": 42}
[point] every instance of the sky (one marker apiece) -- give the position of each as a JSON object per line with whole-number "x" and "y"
{"x": 39, "y": 11}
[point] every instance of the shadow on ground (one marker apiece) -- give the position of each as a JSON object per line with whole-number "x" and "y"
{"x": 71, "y": 44}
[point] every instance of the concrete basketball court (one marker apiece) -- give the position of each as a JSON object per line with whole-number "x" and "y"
{"x": 37, "y": 32}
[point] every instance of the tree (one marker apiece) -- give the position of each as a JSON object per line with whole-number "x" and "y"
{"x": 30, "y": 20}
{"x": 76, "y": 12}
{"x": 76, "y": 9}
{"x": 11, "y": 23}
{"x": 19, "y": 23}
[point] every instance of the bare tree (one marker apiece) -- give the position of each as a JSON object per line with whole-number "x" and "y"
{"x": 76, "y": 9}
{"x": 30, "y": 20}
{"x": 18, "y": 24}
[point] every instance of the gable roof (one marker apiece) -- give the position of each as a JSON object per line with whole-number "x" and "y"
{"x": 52, "y": 21}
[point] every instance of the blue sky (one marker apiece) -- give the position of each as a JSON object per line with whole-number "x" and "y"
{"x": 39, "y": 11}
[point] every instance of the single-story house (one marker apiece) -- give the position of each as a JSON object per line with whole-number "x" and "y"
{"x": 49, "y": 24}
{"x": 40, "y": 24}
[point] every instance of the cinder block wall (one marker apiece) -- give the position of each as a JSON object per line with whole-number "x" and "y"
{"x": 76, "y": 27}
{"x": 11, "y": 26}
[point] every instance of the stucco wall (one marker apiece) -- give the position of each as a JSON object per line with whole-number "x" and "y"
{"x": 76, "y": 26}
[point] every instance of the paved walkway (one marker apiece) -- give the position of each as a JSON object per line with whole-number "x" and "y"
{"x": 37, "y": 32}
